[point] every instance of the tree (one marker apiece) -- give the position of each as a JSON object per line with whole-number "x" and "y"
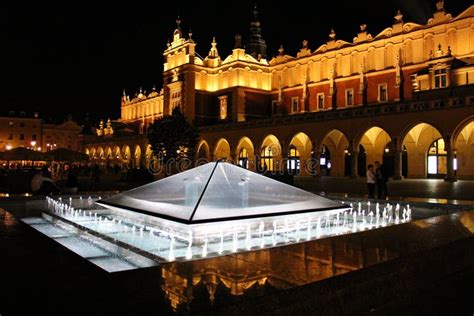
{"x": 172, "y": 137}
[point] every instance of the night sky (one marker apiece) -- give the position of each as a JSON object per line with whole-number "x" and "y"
{"x": 77, "y": 58}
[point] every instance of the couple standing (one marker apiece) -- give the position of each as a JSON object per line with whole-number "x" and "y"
{"x": 378, "y": 177}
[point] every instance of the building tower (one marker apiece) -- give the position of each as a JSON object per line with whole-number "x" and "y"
{"x": 256, "y": 45}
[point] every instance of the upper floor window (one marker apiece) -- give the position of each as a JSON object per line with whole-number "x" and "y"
{"x": 22, "y": 124}
{"x": 294, "y": 105}
{"x": 223, "y": 107}
{"x": 440, "y": 78}
{"x": 22, "y": 136}
{"x": 320, "y": 101}
{"x": 10, "y": 136}
{"x": 383, "y": 95}
{"x": 33, "y": 137}
{"x": 349, "y": 97}
{"x": 10, "y": 124}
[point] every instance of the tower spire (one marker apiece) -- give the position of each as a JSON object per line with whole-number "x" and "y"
{"x": 256, "y": 45}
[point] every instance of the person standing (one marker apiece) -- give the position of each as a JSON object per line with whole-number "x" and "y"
{"x": 371, "y": 181}
{"x": 382, "y": 179}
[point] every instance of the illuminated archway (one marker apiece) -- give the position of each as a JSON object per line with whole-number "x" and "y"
{"x": 92, "y": 153}
{"x": 245, "y": 153}
{"x": 108, "y": 153}
{"x": 417, "y": 142}
{"x": 137, "y": 156}
{"x": 222, "y": 150}
{"x": 203, "y": 152}
{"x": 337, "y": 145}
{"x": 373, "y": 143}
{"x": 464, "y": 145}
{"x": 270, "y": 154}
{"x": 148, "y": 156}
{"x": 299, "y": 153}
{"x": 100, "y": 153}
{"x": 126, "y": 156}
{"x": 117, "y": 154}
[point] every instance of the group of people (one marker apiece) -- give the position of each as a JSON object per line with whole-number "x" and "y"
{"x": 377, "y": 178}
{"x": 42, "y": 182}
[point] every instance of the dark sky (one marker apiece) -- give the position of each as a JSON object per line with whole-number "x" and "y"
{"x": 78, "y": 57}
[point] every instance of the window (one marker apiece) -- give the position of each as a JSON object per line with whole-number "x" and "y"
{"x": 223, "y": 107}
{"x": 175, "y": 99}
{"x": 440, "y": 78}
{"x": 383, "y": 93}
{"x": 437, "y": 159}
{"x": 22, "y": 136}
{"x": 293, "y": 162}
{"x": 10, "y": 136}
{"x": 294, "y": 105}
{"x": 33, "y": 137}
{"x": 10, "y": 124}
{"x": 349, "y": 97}
{"x": 22, "y": 124}
{"x": 266, "y": 160}
{"x": 320, "y": 101}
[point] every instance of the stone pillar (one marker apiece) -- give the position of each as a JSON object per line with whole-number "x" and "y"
{"x": 397, "y": 175}
{"x": 354, "y": 162}
{"x": 398, "y": 159}
{"x": 450, "y": 177}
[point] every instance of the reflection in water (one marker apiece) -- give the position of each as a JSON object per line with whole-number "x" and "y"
{"x": 264, "y": 270}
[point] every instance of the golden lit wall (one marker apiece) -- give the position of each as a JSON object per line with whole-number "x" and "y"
{"x": 140, "y": 108}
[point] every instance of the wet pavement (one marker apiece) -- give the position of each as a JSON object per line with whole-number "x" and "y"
{"x": 422, "y": 267}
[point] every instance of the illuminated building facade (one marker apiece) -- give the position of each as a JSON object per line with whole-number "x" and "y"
{"x": 403, "y": 96}
{"x": 18, "y": 129}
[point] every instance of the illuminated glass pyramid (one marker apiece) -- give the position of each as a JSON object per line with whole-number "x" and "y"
{"x": 218, "y": 191}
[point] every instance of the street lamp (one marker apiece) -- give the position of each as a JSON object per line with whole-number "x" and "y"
{"x": 9, "y": 147}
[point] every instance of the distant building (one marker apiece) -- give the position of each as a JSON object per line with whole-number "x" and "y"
{"x": 403, "y": 96}
{"x": 19, "y": 129}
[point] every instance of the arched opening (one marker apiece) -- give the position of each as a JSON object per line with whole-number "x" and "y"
{"x": 126, "y": 156}
{"x": 372, "y": 148}
{"x": 148, "y": 156}
{"x": 100, "y": 153}
{"x": 335, "y": 146}
{"x": 299, "y": 153}
{"x": 203, "y": 152}
{"x": 270, "y": 155}
{"x": 137, "y": 156}
{"x": 92, "y": 153}
{"x": 108, "y": 153}
{"x": 464, "y": 145}
{"x": 222, "y": 150}
{"x": 417, "y": 142}
{"x": 245, "y": 153}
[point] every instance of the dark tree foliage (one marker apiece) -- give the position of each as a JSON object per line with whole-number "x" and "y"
{"x": 173, "y": 137}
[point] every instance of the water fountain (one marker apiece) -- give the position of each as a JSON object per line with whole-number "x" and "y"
{"x": 172, "y": 220}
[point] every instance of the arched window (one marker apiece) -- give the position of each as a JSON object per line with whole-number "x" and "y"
{"x": 244, "y": 158}
{"x": 293, "y": 162}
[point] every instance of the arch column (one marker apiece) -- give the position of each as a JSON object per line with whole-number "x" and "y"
{"x": 450, "y": 177}
{"x": 398, "y": 155}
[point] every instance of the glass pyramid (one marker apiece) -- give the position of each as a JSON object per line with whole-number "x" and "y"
{"x": 219, "y": 191}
